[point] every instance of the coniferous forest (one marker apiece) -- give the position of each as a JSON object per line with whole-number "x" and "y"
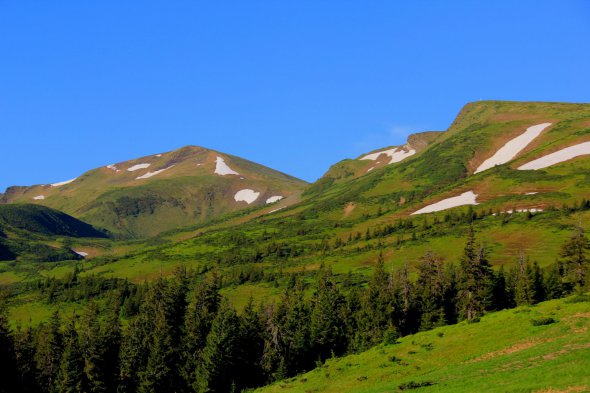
{"x": 179, "y": 334}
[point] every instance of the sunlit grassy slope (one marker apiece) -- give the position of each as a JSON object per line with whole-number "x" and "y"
{"x": 504, "y": 352}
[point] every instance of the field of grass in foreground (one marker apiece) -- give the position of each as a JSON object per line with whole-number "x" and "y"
{"x": 504, "y": 352}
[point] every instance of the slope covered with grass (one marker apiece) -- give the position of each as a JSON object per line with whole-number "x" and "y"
{"x": 545, "y": 348}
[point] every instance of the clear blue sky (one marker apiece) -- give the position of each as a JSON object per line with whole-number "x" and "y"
{"x": 295, "y": 85}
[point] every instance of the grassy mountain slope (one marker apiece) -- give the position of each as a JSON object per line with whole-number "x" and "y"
{"x": 153, "y": 194}
{"x": 504, "y": 352}
{"x": 332, "y": 225}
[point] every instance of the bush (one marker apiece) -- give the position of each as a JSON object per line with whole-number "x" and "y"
{"x": 542, "y": 321}
{"x": 414, "y": 385}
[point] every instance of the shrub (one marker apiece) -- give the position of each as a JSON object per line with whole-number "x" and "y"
{"x": 542, "y": 321}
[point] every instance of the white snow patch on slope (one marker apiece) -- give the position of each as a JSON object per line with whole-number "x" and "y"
{"x": 467, "y": 198}
{"x": 158, "y": 155}
{"x": 513, "y": 147}
{"x": 559, "y": 156}
{"x": 81, "y": 253}
{"x": 221, "y": 168}
{"x": 39, "y": 197}
{"x": 274, "y": 199}
{"x": 246, "y": 195}
{"x": 150, "y": 174}
{"x": 396, "y": 154}
{"x": 137, "y": 167}
{"x": 113, "y": 167}
{"x": 63, "y": 183}
{"x": 275, "y": 210}
{"x": 531, "y": 193}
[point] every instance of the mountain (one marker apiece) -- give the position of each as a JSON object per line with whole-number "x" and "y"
{"x": 451, "y": 227}
{"x": 447, "y": 164}
{"x": 157, "y": 193}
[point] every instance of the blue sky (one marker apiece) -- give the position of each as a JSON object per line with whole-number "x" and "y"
{"x": 295, "y": 85}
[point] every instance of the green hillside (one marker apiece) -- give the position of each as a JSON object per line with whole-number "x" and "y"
{"x": 507, "y": 351}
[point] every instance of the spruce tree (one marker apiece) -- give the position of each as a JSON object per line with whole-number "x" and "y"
{"x": 405, "y": 314}
{"x": 553, "y": 282}
{"x": 70, "y": 378}
{"x": 326, "y": 328}
{"x": 93, "y": 349}
{"x": 49, "y": 351}
{"x": 251, "y": 347}
{"x": 475, "y": 280}
{"x": 24, "y": 349}
{"x": 430, "y": 291}
{"x": 200, "y": 313}
{"x": 7, "y": 359}
{"x": 574, "y": 254}
{"x": 376, "y": 316}
{"x": 216, "y": 370}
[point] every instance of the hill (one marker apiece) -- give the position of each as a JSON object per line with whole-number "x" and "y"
{"x": 153, "y": 194}
{"x": 37, "y": 233}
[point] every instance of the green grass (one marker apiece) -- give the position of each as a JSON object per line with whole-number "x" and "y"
{"x": 504, "y": 352}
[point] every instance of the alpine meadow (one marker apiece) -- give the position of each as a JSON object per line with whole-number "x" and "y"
{"x": 450, "y": 258}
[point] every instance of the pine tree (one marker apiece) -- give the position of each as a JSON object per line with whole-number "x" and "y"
{"x": 111, "y": 336}
{"x": 536, "y": 284}
{"x": 159, "y": 370}
{"x": 574, "y": 254}
{"x": 70, "y": 377}
{"x": 475, "y": 280}
{"x": 93, "y": 349}
{"x": 251, "y": 347}
{"x": 161, "y": 366}
{"x": 326, "y": 328}
{"x": 200, "y": 313}
{"x": 49, "y": 351}
{"x": 522, "y": 290}
{"x": 216, "y": 371}
{"x": 430, "y": 291}
{"x": 553, "y": 285}
{"x": 7, "y": 359}
{"x": 405, "y": 314}
{"x": 499, "y": 291}
{"x": 376, "y": 316}
{"x": 24, "y": 349}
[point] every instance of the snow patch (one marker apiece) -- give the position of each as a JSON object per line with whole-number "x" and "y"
{"x": 396, "y": 154}
{"x": 370, "y": 169}
{"x": 221, "y": 168}
{"x": 63, "y": 183}
{"x": 39, "y": 197}
{"x": 113, "y": 167}
{"x": 246, "y": 195}
{"x": 81, "y": 253}
{"x": 138, "y": 167}
{"x": 274, "y": 199}
{"x": 275, "y": 210}
{"x": 158, "y": 155}
{"x": 531, "y": 193}
{"x": 512, "y": 147}
{"x": 532, "y": 210}
{"x": 559, "y": 156}
{"x": 150, "y": 174}
{"x": 467, "y": 198}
